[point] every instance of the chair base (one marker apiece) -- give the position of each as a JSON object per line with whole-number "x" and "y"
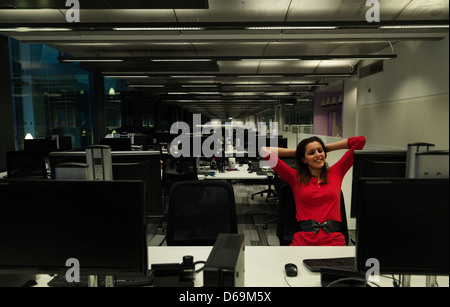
{"x": 270, "y": 193}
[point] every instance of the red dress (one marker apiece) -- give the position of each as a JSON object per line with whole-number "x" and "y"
{"x": 319, "y": 201}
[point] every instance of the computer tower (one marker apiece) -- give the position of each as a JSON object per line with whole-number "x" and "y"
{"x": 225, "y": 266}
{"x": 98, "y": 157}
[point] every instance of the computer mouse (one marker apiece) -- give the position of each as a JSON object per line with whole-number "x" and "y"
{"x": 291, "y": 269}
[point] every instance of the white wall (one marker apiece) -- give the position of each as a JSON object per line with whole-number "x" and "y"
{"x": 408, "y": 102}
{"x": 349, "y": 108}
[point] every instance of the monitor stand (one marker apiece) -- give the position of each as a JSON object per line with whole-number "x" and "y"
{"x": 93, "y": 281}
{"x": 432, "y": 281}
{"x": 405, "y": 280}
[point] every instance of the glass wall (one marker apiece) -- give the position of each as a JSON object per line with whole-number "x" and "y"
{"x": 50, "y": 98}
{"x": 298, "y": 117}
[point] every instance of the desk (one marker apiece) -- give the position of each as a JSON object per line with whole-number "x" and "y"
{"x": 240, "y": 174}
{"x": 264, "y": 265}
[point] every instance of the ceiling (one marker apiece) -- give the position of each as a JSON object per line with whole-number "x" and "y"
{"x": 225, "y": 58}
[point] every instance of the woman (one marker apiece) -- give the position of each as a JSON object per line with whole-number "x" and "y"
{"x": 316, "y": 187}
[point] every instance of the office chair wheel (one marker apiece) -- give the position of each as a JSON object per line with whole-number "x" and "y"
{"x": 252, "y": 197}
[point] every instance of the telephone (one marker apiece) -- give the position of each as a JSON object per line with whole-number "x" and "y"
{"x": 253, "y": 166}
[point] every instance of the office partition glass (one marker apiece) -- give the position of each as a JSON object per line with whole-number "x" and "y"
{"x": 49, "y": 97}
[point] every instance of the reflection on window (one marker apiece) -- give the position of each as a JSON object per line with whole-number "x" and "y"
{"x": 50, "y": 98}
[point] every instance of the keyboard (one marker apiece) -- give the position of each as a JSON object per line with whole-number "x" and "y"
{"x": 59, "y": 281}
{"x": 344, "y": 263}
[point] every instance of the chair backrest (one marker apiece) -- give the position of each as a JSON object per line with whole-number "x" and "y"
{"x": 199, "y": 211}
{"x": 26, "y": 164}
{"x": 287, "y": 222}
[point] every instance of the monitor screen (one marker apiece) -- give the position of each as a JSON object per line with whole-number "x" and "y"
{"x": 404, "y": 224}
{"x": 117, "y": 144}
{"x": 26, "y": 164}
{"x": 102, "y": 224}
{"x": 127, "y": 165}
{"x": 64, "y": 143}
{"x": 45, "y": 146}
{"x": 376, "y": 164}
{"x": 145, "y": 166}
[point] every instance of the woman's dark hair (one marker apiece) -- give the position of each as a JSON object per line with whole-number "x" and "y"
{"x": 303, "y": 173}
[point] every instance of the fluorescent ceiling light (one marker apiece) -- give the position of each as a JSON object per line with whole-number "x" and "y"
{"x": 274, "y": 84}
{"x": 91, "y": 60}
{"x": 147, "y": 85}
{"x": 261, "y": 76}
{"x": 193, "y": 76}
{"x": 293, "y": 28}
{"x": 415, "y": 27}
{"x": 181, "y": 60}
{"x": 161, "y": 29}
{"x": 279, "y": 59}
{"x": 200, "y": 85}
{"x": 26, "y": 29}
{"x": 118, "y": 76}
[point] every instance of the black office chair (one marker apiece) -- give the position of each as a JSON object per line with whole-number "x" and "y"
{"x": 287, "y": 222}
{"x": 292, "y": 162}
{"x": 199, "y": 211}
{"x": 271, "y": 193}
{"x": 26, "y": 164}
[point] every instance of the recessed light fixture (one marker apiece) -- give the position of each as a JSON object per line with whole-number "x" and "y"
{"x": 91, "y": 60}
{"x": 147, "y": 85}
{"x": 269, "y": 59}
{"x": 200, "y": 85}
{"x": 181, "y": 60}
{"x": 161, "y": 29}
{"x": 119, "y": 76}
{"x": 414, "y": 27}
{"x": 293, "y": 28}
{"x": 27, "y": 29}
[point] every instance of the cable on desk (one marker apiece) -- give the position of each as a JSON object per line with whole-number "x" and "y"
{"x": 160, "y": 244}
{"x": 331, "y": 284}
{"x": 287, "y": 281}
{"x": 199, "y": 262}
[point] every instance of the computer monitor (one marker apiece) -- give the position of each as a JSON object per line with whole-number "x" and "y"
{"x": 404, "y": 224}
{"x": 145, "y": 166}
{"x": 44, "y": 145}
{"x": 44, "y": 223}
{"x": 117, "y": 144}
{"x": 64, "y": 143}
{"x": 25, "y": 164}
{"x": 376, "y": 164}
{"x": 126, "y": 165}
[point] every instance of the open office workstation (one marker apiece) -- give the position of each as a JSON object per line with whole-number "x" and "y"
{"x": 397, "y": 195}
{"x": 106, "y": 90}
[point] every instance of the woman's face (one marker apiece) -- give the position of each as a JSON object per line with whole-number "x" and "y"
{"x": 314, "y": 156}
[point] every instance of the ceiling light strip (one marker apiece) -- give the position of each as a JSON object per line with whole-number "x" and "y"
{"x": 161, "y": 29}
{"x": 181, "y": 60}
{"x": 27, "y": 29}
{"x": 415, "y": 27}
{"x": 294, "y": 28}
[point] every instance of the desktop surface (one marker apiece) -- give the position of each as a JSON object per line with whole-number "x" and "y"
{"x": 264, "y": 265}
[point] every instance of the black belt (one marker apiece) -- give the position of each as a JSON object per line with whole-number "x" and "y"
{"x": 328, "y": 226}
